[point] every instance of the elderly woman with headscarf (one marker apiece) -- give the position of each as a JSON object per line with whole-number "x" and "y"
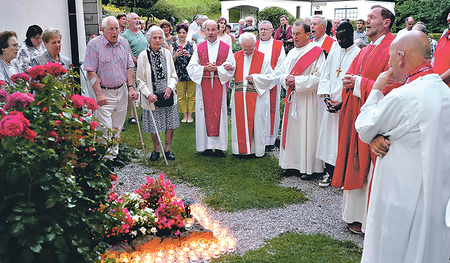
{"x": 158, "y": 79}
{"x": 31, "y": 48}
{"x": 9, "y": 47}
{"x": 52, "y": 41}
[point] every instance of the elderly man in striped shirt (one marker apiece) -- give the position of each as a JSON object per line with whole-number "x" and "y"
{"x": 110, "y": 69}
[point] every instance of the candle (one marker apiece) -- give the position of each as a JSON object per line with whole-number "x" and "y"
{"x": 203, "y": 243}
{"x": 189, "y": 223}
{"x": 147, "y": 258}
{"x": 158, "y": 260}
{"x": 216, "y": 253}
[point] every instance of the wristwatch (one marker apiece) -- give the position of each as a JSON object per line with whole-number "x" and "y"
{"x": 130, "y": 86}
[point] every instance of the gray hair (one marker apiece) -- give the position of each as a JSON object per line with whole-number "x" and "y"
{"x": 265, "y": 22}
{"x": 129, "y": 16}
{"x": 207, "y": 22}
{"x": 247, "y": 36}
{"x": 202, "y": 18}
{"x": 241, "y": 20}
{"x": 304, "y": 24}
{"x": 152, "y": 30}
{"x": 421, "y": 27}
{"x": 249, "y": 17}
{"x": 105, "y": 21}
{"x": 322, "y": 19}
{"x": 49, "y": 33}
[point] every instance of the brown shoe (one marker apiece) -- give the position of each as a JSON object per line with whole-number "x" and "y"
{"x": 355, "y": 228}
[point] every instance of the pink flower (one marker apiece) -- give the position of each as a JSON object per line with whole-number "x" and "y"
{"x": 37, "y": 72}
{"x": 161, "y": 177}
{"x": 2, "y": 112}
{"x": 18, "y": 100}
{"x": 81, "y": 119}
{"x": 93, "y": 125}
{"x": 91, "y": 104}
{"x": 20, "y": 76}
{"x": 77, "y": 100}
{"x": 52, "y": 134}
{"x": 13, "y": 126}
{"x": 113, "y": 177}
{"x": 44, "y": 110}
{"x": 57, "y": 122}
{"x": 2, "y": 83}
{"x": 29, "y": 134}
{"x": 55, "y": 69}
{"x": 3, "y": 95}
{"x": 177, "y": 233}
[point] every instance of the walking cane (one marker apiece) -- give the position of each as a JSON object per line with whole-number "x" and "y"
{"x": 139, "y": 126}
{"x": 157, "y": 134}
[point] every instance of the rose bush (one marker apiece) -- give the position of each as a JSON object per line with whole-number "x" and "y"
{"x": 53, "y": 179}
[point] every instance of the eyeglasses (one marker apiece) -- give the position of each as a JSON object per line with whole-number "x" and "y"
{"x": 113, "y": 29}
{"x": 265, "y": 29}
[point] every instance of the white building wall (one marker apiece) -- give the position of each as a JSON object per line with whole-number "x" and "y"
{"x": 18, "y": 15}
{"x": 327, "y": 8}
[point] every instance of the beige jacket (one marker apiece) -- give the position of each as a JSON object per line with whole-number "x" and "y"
{"x": 144, "y": 75}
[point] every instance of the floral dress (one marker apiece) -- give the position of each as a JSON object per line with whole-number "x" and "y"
{"x": 165, "y": 117}
{"x": 182, "y": 61}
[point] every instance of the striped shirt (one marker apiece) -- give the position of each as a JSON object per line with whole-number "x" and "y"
{"x": 110, "y": 62}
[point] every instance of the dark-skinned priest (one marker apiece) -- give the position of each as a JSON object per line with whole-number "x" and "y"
{"x": 353, "y": 163}
{"x": 330, "y": 90}
{"x": 301, "y": 121}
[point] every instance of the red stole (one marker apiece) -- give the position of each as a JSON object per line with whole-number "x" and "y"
{"x": 276, "y": 51}
{"x": 353, "y": 159}
{"x": 442, "y": 55}
{"x": 302, "y": 63}
{"x": 212, "y": 96}
{"x": 250, "y": 98}
{"x": 327, "y": 44}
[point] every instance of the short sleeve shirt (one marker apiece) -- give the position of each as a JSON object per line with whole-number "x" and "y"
{"x": 109, "y": 61}
{"x": 137, "y": 42}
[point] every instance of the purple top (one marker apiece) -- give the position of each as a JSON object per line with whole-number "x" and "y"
{"x": 278, "y": 34}
{"x": 110, "y": 62}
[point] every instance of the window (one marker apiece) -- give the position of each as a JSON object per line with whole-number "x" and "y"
{"x": 350, "y": 13}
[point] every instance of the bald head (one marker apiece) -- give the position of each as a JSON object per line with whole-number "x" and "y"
{"x": 408, "y": 52}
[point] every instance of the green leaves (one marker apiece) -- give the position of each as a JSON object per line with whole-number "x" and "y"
{"x": 17, "y": 229}
{"x": 9, "y": 143}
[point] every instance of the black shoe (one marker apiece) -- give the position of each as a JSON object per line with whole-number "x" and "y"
{"x": 123, "y": 128}
{"x": 219, "y": 153}
{"x": 154, "y": 156}
{"x": 270, "y": 148}
{"x": 291, "y": 172}
{"x": 118, "y": 162}
{"x": 132, "y": 120}
{"x": 208, "y": 152}
{"x": 310, "y": 176}
{"x": 170, "y": 155}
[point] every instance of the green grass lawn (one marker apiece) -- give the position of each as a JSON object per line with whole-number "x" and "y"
{"x": 295, "y": 248}
{"x": 230, "y": 183}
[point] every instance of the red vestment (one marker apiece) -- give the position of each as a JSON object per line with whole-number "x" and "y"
{"x": 442, "y": 55}
{"x": 276, "y": 51}
{"x": 353, "y": 159}
{"x": 212, "y": 96}
{"x": 250, "y": 98}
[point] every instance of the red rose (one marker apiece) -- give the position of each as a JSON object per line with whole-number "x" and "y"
{"x": 29, "y": 134}
{"x": 37, "y": 72}
{"x": 93, "y": 125}
{"x": 113, "y": 177}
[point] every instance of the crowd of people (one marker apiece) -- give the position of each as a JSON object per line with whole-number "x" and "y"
{"x": 370, "y": 118}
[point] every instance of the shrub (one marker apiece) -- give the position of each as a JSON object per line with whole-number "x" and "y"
{"x": 273, "y": 14}
{"x": 53, "y": 177}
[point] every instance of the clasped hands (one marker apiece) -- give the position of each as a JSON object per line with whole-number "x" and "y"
{"x": 152, "y": 98}
{"x": 332, "y": 106}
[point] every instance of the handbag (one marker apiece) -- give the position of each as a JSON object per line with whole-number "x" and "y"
{"x": 161, "y": 101}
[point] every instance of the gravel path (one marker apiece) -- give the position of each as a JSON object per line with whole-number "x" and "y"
{"x": 320, "y": 214}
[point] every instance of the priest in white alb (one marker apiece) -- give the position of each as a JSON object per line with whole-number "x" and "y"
{"x": 409, "y": 129}
{"x": 274, "y": 51}
{"x": 211, "y": 67}
{"x": 250, "y": 99}
{"x": 301, "y": 121}
{"x": 330, "y": 90}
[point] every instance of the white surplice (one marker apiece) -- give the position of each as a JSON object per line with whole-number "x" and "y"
{"x": 261, "y": 125}
{"x": 411, "y": 183}
{"x": 330, "y": 83}
{"x": 304, "y": 120}
{"x": 195, "y": 71}
{"x": 266, "y": 48}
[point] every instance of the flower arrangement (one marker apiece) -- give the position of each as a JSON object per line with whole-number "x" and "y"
{"x": 53, "y": 176}
{"x": 151, "y": 209}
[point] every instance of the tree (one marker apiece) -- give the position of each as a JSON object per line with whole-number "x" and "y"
{"x": 130, "y": 3}
{"x": 432, "y": 13}
{"x": 273, "y": 14}
{"x": 161, "y": 10}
